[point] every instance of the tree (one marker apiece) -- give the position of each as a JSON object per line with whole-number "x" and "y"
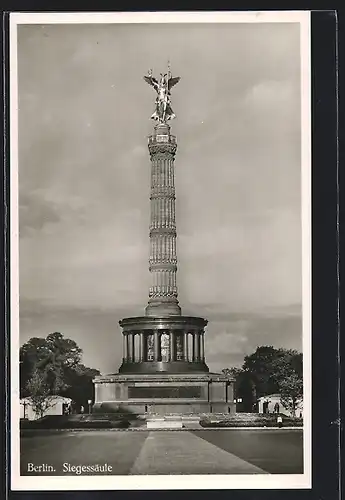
{"x": 268, "y": 371}
{"x": 30, "y": 354}
{"x": 40, "y": 393}
{"x": 291, "y": 392}
{"x": 244, "y": 388}
{"x": 286, "y": 363}
{"x": 260, "y": 367}
{"x": 52, "y": 366}
{"x": 80, "y": 387}
{"x": 269, "y": 367}
{"x": 53, "y": 355}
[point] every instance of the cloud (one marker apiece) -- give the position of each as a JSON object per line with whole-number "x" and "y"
{"x": 230, "y": 339}
{"x": 35, "y": 210}
{"x": 270, "y": 93}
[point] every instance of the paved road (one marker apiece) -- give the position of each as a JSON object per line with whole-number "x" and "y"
{"x": 166, "y": 452}
{"x": 277, "y": 451}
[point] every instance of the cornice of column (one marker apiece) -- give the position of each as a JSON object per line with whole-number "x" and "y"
{"x": 162, "y": 192}
{"x": 161, "y": 231}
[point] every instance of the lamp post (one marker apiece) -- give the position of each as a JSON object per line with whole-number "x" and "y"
{"x": 89, "y": 403}
{"x": 237, "y": 401}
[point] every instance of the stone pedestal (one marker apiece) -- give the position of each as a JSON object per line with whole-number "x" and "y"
{"x": 164, "y": 393}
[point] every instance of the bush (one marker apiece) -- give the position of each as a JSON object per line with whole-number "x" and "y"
{"x": 248, "y": 420}
{"x": 64, "y": 422}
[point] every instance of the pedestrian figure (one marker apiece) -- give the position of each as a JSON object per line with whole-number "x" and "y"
{"x": 82, "y": 409}
{"x": 279, "y": 421}
{"x": 276, "y": 408}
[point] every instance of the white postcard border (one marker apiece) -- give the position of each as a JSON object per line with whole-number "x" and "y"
{"x": 175, "y": 482}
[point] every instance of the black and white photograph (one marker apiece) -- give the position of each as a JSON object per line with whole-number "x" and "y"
{"x": 160, "y": 250}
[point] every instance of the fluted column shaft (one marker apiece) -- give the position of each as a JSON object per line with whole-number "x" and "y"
{"x": 163, "y": 261}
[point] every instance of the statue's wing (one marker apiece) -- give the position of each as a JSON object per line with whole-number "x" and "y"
{"x": 173, "y": 81}
{"x": 151, "y": 81}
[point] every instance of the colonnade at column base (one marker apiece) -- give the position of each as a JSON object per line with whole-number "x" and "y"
{"x": 165, "y": 343}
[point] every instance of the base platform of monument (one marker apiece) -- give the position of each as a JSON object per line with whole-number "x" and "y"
{"x": 163, "y": 393}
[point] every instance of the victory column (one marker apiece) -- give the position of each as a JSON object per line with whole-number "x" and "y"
{"x": 163, "y": 368}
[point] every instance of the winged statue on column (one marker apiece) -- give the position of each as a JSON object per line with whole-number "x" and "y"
{"x": 163, "y": 111}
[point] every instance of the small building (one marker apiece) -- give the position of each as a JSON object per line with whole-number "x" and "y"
{"x": 272, "y": 404}
{"x": 57, "y": 406}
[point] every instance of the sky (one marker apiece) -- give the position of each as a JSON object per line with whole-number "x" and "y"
{"x": 84, "y": 180}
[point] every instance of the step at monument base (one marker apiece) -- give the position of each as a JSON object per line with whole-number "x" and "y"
{"x": 164, "y": 423}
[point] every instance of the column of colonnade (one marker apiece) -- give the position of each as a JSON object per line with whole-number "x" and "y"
{"x": 197, "y": 353}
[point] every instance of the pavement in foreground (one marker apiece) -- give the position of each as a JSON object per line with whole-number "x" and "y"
{"x": 261, "y": 451}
